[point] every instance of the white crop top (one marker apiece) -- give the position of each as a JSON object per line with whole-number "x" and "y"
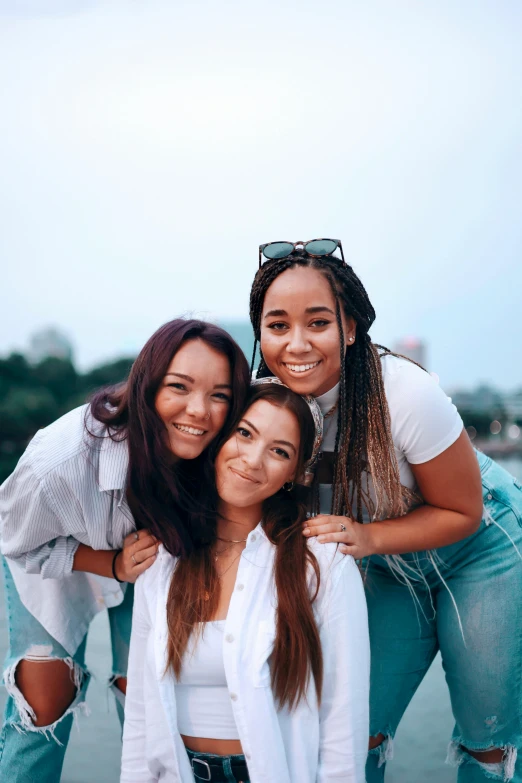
{"x": 202, "y": 696}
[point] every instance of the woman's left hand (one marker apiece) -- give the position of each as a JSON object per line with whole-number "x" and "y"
{"x": 355, "y": 539}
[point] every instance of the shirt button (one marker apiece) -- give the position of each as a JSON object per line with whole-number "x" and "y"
{"x": 248, "y": 756}
{"x": 229, "y": 637}
{"x": 240, "y": 587}
{"x": 233, "y": 696}
{"x": 490, "y": 497}
{"x": 253, "y": 537}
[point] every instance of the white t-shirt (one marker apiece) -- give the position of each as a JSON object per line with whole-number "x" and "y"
{"x": 424, "y": 421}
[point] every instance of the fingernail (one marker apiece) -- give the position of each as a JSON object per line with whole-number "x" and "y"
{"x": 306, "y": 531}
{"x": 320, "y": 538}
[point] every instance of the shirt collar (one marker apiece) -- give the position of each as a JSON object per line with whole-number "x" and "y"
{"x": 114, "y": 464}
{"x": 327, "y": 400}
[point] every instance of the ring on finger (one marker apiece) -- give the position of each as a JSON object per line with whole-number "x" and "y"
{"x": 137, "y": 536}
{"x": 134, "y": 560}
{"x": 343, "y": 528}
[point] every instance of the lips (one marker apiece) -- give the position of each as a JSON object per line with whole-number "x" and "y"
{"x": 244, "y": 476}
{"x": 189, "y": 430}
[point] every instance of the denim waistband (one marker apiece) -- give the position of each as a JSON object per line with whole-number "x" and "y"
{"x": 221, "y": 769}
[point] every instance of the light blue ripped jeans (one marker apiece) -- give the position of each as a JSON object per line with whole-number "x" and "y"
{"x": 481, "y": 646}
{"x": 30, "y": 754}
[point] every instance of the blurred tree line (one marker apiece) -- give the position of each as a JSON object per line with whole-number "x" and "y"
{"x": 33, "y": 396}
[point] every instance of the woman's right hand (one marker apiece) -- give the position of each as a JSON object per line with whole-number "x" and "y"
{"x": 139, "y": 553}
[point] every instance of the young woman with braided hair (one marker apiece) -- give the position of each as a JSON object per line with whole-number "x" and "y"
{"x": 443, "y": 552}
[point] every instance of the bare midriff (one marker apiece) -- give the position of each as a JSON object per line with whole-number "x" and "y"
{"x": 217, "y": 747}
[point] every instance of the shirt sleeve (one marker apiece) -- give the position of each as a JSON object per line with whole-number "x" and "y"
{"x": 33, "y": 533}
{"x": 134, "y": 768}
{"x": 344, "y": 710}
{"x": 424, "y": 421}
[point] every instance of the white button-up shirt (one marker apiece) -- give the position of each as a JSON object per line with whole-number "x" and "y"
{"x": 312, "y": 744}
{"x": 68, "y": 489}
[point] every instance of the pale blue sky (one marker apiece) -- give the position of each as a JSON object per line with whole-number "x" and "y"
{"x": 147, "y": 148}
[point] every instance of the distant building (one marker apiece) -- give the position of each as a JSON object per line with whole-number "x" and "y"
{"x": 49, "y": 343}
{"x": 413, "y": 348}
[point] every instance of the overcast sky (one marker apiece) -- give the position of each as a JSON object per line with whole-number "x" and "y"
{"x": 147, "y": 148}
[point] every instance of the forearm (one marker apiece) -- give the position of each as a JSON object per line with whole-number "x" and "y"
{"x": 94, "y": 561}
{"x": 426, "y": 527}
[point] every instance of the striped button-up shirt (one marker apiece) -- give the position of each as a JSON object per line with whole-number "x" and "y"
{"x": 68, "y": 489}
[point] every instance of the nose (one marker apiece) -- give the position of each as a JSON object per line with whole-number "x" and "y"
{"x": 197, "y": 406}
{"x": 252, "y": 456}
{"x": 298, "y": 342}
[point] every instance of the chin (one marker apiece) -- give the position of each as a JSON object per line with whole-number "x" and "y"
{"x": 186, "y": 452}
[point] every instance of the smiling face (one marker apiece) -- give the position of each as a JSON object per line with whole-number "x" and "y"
{"x": 299, "y": 333}
{"x": 259, "y": 457}
{"x": 194, "y": 398}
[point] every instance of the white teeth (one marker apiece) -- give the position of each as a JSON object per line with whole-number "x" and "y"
{"x": 190, "y": 430}
{"x": 301, "y": 367}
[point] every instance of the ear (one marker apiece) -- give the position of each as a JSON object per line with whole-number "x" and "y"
{"x": 350, "y": 330}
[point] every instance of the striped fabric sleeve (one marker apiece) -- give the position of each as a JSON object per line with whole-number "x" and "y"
{"x": 32, "y": 533}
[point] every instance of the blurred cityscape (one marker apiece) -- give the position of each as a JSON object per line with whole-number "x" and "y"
{"x": 41, "y": 384}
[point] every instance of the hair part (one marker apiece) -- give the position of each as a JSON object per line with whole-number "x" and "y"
{"x": 165, "y": 498}
{"x": 195, "y": 586}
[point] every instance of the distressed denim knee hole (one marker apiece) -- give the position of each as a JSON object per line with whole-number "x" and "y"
{"x": 26, "y": 715}
{"x": 384, "y": 751}
{"x": 503, "y": 770}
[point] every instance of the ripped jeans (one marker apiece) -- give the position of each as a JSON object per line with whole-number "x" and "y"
{"x": 35, "y": 754}
{"x": 481, "y": 646}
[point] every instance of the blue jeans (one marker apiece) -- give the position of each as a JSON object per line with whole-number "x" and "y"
{"x": 35, "y": 754}
{"x": 474, "y": 619}
{"x": 201, "y": 772}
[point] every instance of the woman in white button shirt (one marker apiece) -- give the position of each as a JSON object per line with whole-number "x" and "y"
{"x": 249, "y": 659}
{"x": 133, "y": 458}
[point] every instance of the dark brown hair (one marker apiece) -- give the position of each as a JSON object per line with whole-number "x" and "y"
{"x": 195, "y": 586}
{"x": 165, "y": 498}
{"x": 363, "y": 441}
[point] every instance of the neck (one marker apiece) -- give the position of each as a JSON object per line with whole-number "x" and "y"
{"x": 234, "y": 522}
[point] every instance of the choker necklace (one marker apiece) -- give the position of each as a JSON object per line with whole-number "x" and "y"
{"x": 231, "y": 540}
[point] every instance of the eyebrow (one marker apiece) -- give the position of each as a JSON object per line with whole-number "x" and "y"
{"x": 283, "y": 442}
{"x": 191, "y": 380}
{"x": 309, "y": 311}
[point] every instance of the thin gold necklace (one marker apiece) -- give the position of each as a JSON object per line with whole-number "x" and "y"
{"x": 231, "y": 540}
{"x": 221, "y": 551}
{"x": 222, "y": 574}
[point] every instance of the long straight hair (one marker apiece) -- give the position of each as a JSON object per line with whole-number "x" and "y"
{"x": 195, "y": 586}
{"x": 164, "y": 497}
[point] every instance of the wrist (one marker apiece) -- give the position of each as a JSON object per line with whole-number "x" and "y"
{"x": 374, "y": 537}
{"x": 115, "y": 565}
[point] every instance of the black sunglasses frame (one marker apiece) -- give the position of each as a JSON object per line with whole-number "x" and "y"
{"x": 303, "y": 245}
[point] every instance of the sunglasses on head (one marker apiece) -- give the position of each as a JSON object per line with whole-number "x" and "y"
{"x": 316, "y": 248}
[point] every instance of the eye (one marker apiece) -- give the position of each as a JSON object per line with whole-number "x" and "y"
{"x": 222, "y": 396}
{"x": 277, "y": 326}
{"x": 320, "y": 322}
{"x": 282, "y": 453}
{"x": 243, "y": 432}
{"x": 179, "y": 386}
